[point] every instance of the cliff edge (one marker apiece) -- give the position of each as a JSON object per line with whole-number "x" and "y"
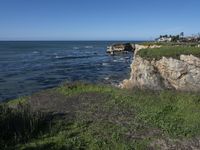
{"x": 182, "y": 73}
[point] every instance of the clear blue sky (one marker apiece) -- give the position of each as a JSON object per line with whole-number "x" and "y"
{"x": 96, "y": 19}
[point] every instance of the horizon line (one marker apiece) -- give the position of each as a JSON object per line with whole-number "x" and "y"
{"x": 68, "y": 40}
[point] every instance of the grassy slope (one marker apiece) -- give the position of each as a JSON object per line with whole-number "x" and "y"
{"x": 192, "y": 44}
{"x": 87, "y": 116}
{"x": 169, "y": 51}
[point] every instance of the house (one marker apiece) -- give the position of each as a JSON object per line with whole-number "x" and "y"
{"x": 164, "y": 39}
{"x": 190, "y": 39}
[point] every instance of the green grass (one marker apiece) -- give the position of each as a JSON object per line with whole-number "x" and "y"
{"x": 157, "y": 43}
{"x": 69, "y": 89}
{"x": 84, "y": 135}
{"x": 192, "y": 44}
{"x": 18, "y": 101}
{"x": 176, "y": 114}
{"x": 121, "y": 114}
{"x": 19, "y": 125}
{"x": 168, "y": 51}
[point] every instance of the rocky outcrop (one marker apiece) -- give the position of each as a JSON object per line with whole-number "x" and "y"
{"x": 120, "y": 48}
{"x": 139, "y": 47}
{"x": 144, "y": 75}
{"x": 167, "y": 73}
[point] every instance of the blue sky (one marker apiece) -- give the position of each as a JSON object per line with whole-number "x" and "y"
{"x": 97, "y": 19}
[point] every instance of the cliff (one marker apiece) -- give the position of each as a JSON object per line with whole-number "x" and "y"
{"x": 181, "y": 74}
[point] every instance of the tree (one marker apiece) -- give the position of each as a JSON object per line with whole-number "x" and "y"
{"x": 165, "y": 36}
{"x": 182, "y": 34}
{"x": 199, "y": 35}
{"x": 175, "y": 38}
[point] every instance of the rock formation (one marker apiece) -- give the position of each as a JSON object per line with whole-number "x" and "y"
{"x": 139, "y": 47}
{"x": 120, "y": 48}
{"x": 167, "y": 73}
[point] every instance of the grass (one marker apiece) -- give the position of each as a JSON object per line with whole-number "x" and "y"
{"x": 18, "y": 101}
{"x": 19, "y": 125}
{"x": 169, "y": 51}
{"x": 69, "y": 89}
{"x": 157, "y": 43}
{"x": 150, "y": 43}
{"x": 103, "y": 118}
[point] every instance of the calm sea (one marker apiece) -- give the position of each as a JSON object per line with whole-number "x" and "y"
{"x": 27, "y": 67}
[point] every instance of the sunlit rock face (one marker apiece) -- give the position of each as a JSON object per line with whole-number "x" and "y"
{"x": 167, "y": 73}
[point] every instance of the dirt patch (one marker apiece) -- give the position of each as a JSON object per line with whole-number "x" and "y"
{"x": 54, "y": 102}
{"x": 169, "y": 144}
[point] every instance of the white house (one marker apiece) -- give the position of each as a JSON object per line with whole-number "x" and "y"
{"x": 164, "y": 39}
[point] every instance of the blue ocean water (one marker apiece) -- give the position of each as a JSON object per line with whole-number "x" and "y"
{"x": 27, "y": 67}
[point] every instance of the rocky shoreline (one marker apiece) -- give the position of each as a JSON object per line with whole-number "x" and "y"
{"x": 116, "y": 48}
{"x": 181, "y": 74}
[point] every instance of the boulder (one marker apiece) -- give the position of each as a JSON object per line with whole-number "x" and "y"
{"x": 121, "y": 48}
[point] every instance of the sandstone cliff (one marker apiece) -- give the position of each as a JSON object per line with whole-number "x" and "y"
{"x": 167, "y": 73}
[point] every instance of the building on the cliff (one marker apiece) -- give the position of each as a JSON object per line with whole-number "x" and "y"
{"x": 164, "y": 39}
{"x": 190, "y": 39}
{"x": 179, "y": 38}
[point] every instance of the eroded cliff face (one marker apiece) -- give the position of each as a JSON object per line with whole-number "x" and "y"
{"x": 167, "y": 73}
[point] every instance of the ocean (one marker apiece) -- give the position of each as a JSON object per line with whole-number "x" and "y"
{"x": 28, "y": 67}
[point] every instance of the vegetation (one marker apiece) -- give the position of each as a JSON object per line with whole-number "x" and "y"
{"x": 174, "y": 38}
{"x": 89, "y": 116}
{"x": 180, "y": 38}
{"x": 188, "y": 44}
{"x": 19, "y": 125}
{"x": 169, "y": 51}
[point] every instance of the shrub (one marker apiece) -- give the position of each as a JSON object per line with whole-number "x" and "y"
{"x": 19, "y": 125}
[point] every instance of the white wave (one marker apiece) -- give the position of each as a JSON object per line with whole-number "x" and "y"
{"x": 105, "y": 64}
{"x": 36, "y": 52}
{"x": 58, "y": 57}
{"x": 88, "y": 46}
{"x": 106, "y": 78}
{"x": 75, "y": 48}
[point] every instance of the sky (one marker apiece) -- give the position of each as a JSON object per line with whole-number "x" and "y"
{"x": 97, "y": 19}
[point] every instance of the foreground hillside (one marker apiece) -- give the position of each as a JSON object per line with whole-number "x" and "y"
{"x": 84, "y": 116}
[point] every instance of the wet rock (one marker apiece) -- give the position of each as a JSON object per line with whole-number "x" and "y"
{"x": 121, "y": 48}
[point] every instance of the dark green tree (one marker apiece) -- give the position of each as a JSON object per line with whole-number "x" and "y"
{"x": 182, "y": 34}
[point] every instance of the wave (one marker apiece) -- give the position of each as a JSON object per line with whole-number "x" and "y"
{"x": 72, "y": 57}
{"x": 76, "y": 48}
{"x": 36, "y": 52}
{"x": 58, "y": 57}
{"x": 105, "y": 64}
{"x": 106, "y": 78}
{"x": 119, "y": 60}
{"x": 88, "y": 46}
